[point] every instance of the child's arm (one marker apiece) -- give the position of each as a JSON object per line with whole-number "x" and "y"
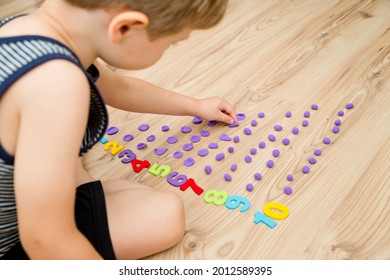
{"x": 53, "y": 110}
{"x": 135, "y": 95}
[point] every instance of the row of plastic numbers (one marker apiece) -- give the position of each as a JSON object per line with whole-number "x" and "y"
{"x": 272, "y": 210}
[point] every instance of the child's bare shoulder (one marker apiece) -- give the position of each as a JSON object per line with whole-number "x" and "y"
{"x": 57, "y": 86}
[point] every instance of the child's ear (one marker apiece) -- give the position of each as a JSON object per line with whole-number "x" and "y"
{"x": 124, "y": 23}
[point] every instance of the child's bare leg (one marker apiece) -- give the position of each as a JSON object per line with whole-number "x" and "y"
{"x": 142, "y": 221}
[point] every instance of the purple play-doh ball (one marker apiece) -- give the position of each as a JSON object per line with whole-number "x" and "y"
{"x": 248, "y": 159}
{"x": 186, "y": 129}
{"x": 247, "y": 131}
{"x": 177, "y": 154}
{"x": 208, "y": 169}
{"x": 128, "y": 137}
{"x": 143, "y": 127}
{"x": 227, "y": 177}
{"x": 253, "y": 123}
{"x": 306, "y": 169}
{"x": 225, "y": 137}
{"x": 241, "y": 117}
{"x": 172, "y": 139}
{"x": 336, "y": 129}
{"x": 112, "y": 130}
{"x": 249, "y": 187}
{"x": 233, "y": 124}
{"x": 189, "y": 162}
{"x": 278, "y": 127}
{"x": 288, "y": 190}
{"x": 326, "y": 141}
{"x": 160, "y": 151}
{"x": 270, "y": 163}
{"x": 205, "y": 133}
{"x": 195, "y": 138}
{"x": 141, "y": 146}
{"x": 188, "y": 147}
{"x": 197, "y": 120}
{"x": 286, "y": 141}
{"x": 203, "y": 152}
{"x": 212, "y": 123}
{"x": 262, "y": 145}
{"x": 151, "y": 138}
{"x": 213, "y": 145}
{"x": 314, "y": 107}
{"x": 220, "y": 156}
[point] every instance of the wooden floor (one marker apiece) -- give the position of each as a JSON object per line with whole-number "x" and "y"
{"x": 274, "y": 57}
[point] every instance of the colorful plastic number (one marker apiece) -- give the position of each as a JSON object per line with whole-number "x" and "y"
{"x": 282, "y": 213}
{"x": 129, "y": 154}
{"x": 160, "y": 170}
{"x": 138, "y": 165}
{"x": 178, "y": 181}
{"x": 191, "y": 183}
{"x": 261, "y": 218}
{"x": 234, "y": 201}
{"x": 115, "y": 148}
{"x": 218, "y": 198}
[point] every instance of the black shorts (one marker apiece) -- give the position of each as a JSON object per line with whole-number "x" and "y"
{"x": 91, "y": 219}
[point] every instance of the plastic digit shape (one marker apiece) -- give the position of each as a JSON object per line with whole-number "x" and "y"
{"x": 218, "y": 198}
{"x": 234, "y": 201}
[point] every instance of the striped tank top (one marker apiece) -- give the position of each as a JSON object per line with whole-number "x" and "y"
{"x": 18, "y": 55}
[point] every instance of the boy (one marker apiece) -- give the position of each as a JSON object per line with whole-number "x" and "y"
{"x": 49, "y": 105}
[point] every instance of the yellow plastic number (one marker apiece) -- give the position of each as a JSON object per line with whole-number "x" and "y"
{"x": 115, "y": 147}
{"x": 282, "y": 213}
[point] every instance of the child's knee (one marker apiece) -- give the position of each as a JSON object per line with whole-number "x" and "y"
{"x": 173, "y": 210}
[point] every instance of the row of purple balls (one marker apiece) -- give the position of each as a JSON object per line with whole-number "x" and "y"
{"x": 224, "y": 137}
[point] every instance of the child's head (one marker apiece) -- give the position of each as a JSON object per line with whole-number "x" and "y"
{"x": 166, "y": 17}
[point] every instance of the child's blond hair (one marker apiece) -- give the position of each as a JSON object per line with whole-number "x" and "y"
{"x": 167, "y": 17}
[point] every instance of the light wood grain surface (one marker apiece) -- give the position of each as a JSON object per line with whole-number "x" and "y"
{"x": 274, "y": 57}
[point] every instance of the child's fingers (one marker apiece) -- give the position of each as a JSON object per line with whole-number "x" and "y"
{"x": 229, "y": 111}
{"x": 228, "y": 117}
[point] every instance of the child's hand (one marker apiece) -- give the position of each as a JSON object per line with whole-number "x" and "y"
{"x": 216, "y": 108}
